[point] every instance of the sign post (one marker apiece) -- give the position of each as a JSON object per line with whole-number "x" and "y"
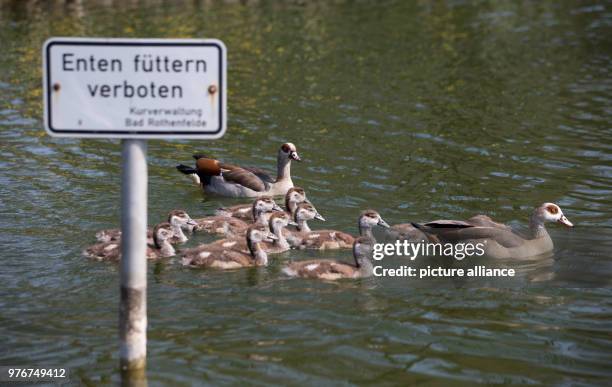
{"x": 134, "y": 89}
{"x": 133, "y": 281}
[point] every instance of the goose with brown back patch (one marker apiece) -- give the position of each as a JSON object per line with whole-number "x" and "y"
{"x": 218, "y": 178}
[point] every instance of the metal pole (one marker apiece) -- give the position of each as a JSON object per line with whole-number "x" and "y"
{"x": 133, "y": 304}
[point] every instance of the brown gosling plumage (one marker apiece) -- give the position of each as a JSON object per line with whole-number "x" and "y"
{"x": 221, "y": 257}
{"x": 328, "y": 269}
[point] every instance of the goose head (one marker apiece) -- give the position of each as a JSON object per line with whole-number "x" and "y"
{"x": 371, "y": 218}
{"x": 256, "y": 234}
{"x": 288, "y": 152}
{"x": 162, "y": 232}
{"x": 293, "y": 197}
{"x": 279, "y": 220}
{"x": 550, "y": 212}
{"x": 181, "y": 218}
{"x": 305, "y": 212}
{"x": 264, "y": 204}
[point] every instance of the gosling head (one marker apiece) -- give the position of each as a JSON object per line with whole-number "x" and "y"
{"x": 288, "y": 151}
{"x": 180, "y": 218}
{"x": 278, "y": 220}
{"x": 371, "y": 218}
{"x": 305, "y": 212}
{"x": 293, "y": 197}
{"x": 550, "y": 212}
{"x": 257, "y": 233}
{"x": 265, "y": 204}
{"x": 161, "y": 233}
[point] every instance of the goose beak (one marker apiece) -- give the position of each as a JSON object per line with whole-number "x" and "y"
{"x": 192, "y": 222}
{"x": 294, "y": 156}
{"x": 382, "y": 223}
{"x": 318, "y": 216}
{"x": 292, "y": 223}
{"x": 277, "y": 207}
{"x": 564, "y": 221}
{"x": 271, "y": 237}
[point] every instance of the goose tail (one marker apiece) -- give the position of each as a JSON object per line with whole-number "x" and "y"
{"x": 189, "y": 171}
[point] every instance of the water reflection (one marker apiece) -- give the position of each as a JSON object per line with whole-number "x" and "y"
{"x": 419, "y": 110}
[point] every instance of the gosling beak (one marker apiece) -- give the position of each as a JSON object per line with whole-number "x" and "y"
{"x": 271, "y": 237}
{"x": 318, "y": 216}
{"x": 382, "y": 223}
{"x": 294, "y": 156}
{"x": 292, "y": 223}
{"x": 564, "y": 221}
{"x": 192, "y": 222}
{"x": 277, "y": 207}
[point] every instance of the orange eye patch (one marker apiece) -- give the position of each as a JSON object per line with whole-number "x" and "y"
{"x": 552, "y": 209}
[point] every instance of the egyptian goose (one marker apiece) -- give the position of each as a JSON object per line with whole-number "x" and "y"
{"x": 261, "y": 209}
{"x": 178, "y": 219}
{"x": 499, "y": 240}
{"x": 221, "y": 257}
{"x": 230, "y": 180}
{"x": 330, "y": 239}
{"x": 328, "y": 269}
{"x": 293, "y": 197}
{"x": 111, "y": 251}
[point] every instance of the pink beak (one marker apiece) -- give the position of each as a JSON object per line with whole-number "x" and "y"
{"x": 564, "y": 221}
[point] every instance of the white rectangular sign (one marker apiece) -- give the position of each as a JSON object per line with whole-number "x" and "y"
{"x": 135, "y": 88}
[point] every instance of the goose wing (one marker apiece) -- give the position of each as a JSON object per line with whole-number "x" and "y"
{"x": 476, "y": 220}
{"x": 244, "y": 178}
{"x": 456, "y": 233}
{"x": 485, "y": 221}
{"x": 263, "y": 175}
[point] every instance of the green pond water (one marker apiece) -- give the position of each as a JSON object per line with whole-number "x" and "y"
{"x": 419, "y": 110}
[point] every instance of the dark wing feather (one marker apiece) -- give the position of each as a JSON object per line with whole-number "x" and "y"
{"x": 485, "y": 221}
{"x": 244, "y": 177}
{"x": 458, "y": 233}
{"x": 448, "y": 223}
{"x": 263, "y": 175}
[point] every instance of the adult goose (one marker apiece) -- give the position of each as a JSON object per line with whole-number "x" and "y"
{"x": 293, "y": 197}
{"x": 230, "y": 180}
{"x": 160, "y": 248}
{"x": 178, "y": 219}
{"x": 222, "y": 257}
{"x": 328, "y": 269}
{"x": 499, "y": 240}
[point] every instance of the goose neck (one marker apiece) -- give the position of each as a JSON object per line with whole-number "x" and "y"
{"x": 283, "y": 170}
{"x": 303, "y": 226}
